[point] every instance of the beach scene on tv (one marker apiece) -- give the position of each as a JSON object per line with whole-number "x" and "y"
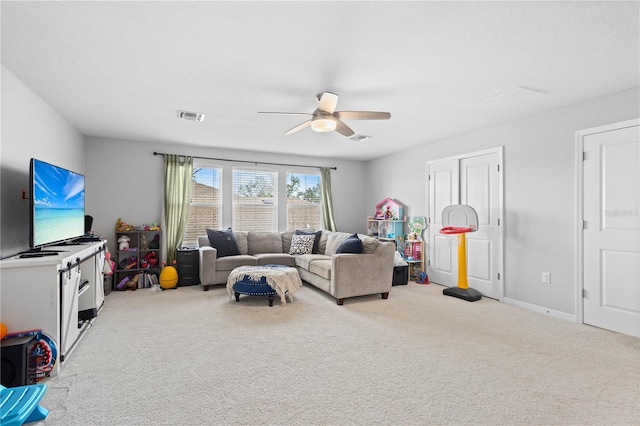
{"x": 58, "y": 202}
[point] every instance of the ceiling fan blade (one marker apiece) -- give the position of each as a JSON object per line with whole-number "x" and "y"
{"x": 298, "y": 127}
{"x": 343, "y": 129}
{"x": 328, "y": 102}
{"x": 286, "y": 113}
{"x": 362, "y": 115}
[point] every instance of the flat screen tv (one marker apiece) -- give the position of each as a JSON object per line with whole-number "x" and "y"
{"x": 57, "y": 204}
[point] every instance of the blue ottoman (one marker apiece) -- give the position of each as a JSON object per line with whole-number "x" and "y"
{"x": 267, "y": 280}
{"x": 253, "y": 288}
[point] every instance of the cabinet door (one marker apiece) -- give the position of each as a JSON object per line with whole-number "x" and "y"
{"x": 100, "y": 259}
{"x": 69, "y": 331}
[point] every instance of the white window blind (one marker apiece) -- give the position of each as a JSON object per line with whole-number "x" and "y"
{"x": 303, "y": 201}
{"x": 206, "y": 202}
{"x": 255, "y": 200}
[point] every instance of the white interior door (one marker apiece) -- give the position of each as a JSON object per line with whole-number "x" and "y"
{"x": 444, "y": 190}
{"x": 473, "y": 179}
{"x": 611, "y": 234}
{"x": 480, "y": 188}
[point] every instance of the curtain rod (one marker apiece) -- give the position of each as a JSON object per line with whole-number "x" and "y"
{"x": 250, "y": 162}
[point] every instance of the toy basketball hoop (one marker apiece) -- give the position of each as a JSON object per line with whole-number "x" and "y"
{"x": 457, "y": 230}
{"x": 457, "y": 220}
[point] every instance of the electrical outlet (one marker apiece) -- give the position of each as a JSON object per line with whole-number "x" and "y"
{"x": 546, "y": 277}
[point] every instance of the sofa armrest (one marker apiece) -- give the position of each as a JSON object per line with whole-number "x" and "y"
{"x": 208, "y": 256}
{"x": 361, "y": 274}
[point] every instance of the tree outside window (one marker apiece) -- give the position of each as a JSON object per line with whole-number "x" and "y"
{"x": 303, "y": 201}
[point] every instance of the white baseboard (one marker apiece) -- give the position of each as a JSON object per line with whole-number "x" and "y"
{"x": 541, "y": 310}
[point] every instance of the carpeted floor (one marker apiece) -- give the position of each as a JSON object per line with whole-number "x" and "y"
{"x": 188, "y": 357}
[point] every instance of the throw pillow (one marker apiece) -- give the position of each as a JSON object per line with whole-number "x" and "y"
{"x": 316, "y": 241}
{"x": 301, "y": 244}
{"x": 353, "y": 244}
{"x": 223, "y": 241}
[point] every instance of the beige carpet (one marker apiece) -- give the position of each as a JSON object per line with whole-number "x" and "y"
{"x": 188, "y": 357}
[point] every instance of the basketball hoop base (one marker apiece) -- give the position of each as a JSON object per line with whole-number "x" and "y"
{"x": 468, "y": 294}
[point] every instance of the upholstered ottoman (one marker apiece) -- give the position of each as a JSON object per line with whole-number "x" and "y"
{"x": 265, "y": 280}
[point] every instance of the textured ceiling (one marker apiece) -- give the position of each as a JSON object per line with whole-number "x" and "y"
{"x": 123, "y": 69}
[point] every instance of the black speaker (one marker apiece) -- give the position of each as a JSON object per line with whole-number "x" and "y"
{"x": 16, "y": 370}
{"x": 88, "y": 223}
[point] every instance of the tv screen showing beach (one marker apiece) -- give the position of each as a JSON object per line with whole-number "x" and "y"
{"x": 58, "y": 204}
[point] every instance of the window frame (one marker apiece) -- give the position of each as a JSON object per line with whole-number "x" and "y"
{"x": 291, "y": 223}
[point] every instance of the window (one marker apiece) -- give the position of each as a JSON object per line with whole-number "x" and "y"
{"x": 206, "y": 202}
{"x": 255, "y": 200}
{"x": 303, "y": 201}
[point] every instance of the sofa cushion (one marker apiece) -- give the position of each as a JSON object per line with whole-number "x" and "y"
{"x": 241, "y": 239}
{"x": 264, "y": 242}
{"x": 316, "y": 241}
{"x": 229, "y": 263}
{"x": 350, "y": 245}
{"x": 322, "y": 246}
{"x": 223, "y": 241}
{"x": 286, "y": 240}
{"x": 275, "y": 259}
{"x": 302, "y": 244}
{"x": 334, "y": 240}
{"x": 321, "y": 267}
{"x": 369, "y": 244}
{"x": 304, "y": 260}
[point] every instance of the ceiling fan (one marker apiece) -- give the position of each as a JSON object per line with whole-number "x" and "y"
{"x": 326, "y": 119}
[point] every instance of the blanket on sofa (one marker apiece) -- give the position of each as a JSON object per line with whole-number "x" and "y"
{"x": 284, "y": 280}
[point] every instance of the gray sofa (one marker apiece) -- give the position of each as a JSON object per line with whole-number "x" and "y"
{"x": 342, "y": 275}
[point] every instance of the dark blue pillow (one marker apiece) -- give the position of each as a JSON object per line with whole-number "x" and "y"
{"x": 223, "y": 241}
{"x": 316, "y": 241}
{"x": 352, "y": 244}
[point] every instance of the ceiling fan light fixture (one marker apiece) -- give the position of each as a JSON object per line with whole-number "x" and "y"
{"x": 323, "y": 125}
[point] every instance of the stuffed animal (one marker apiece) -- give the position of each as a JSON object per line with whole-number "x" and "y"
{"x": 122, "y": 285}
{"x": 144, "y": 245}
{"x": 123, "y": 226}
{"x": 123, "y": 242}
{"x": 152, "y": 259}
{"x": 155, "y": 243}
{"x": 133, "y": 283}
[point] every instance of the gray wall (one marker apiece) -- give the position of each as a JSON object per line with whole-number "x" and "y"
{"x": 125, "y": 180}
{"x": 540, "y": 195}
{"x": 30, "y": 128}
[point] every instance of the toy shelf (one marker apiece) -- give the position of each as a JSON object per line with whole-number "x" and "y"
{"x": 144, "y": 254}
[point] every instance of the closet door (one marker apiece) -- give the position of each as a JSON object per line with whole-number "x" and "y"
{"x": 444, "y": 190}
{"x": 479, "y": 188}
{"x": 473, "y": 179}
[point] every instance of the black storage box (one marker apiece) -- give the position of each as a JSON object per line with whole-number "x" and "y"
{"x": 400, "y": 275}
{"x": 18, "y": 368}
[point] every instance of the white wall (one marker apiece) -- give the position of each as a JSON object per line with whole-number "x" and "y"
{"x": 30, "y": 128}
{"x": 540, "y": 179}
{"x": 125, "y": 180}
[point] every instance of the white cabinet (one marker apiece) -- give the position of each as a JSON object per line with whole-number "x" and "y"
{"x": 43, "y": 293}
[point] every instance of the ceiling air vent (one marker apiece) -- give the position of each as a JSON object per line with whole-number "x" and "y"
{"x": 190, "y": 116}
{"x": 359, "y": 138}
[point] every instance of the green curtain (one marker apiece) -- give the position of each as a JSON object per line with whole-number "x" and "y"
{"x": 325, "y": 199}
{"x": 178, "y": 171}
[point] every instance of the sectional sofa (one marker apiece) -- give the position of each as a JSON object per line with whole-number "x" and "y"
{"x": 342, "y": 275}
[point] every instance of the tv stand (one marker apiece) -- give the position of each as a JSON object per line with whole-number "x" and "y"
{"x": 59, "y": 293}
